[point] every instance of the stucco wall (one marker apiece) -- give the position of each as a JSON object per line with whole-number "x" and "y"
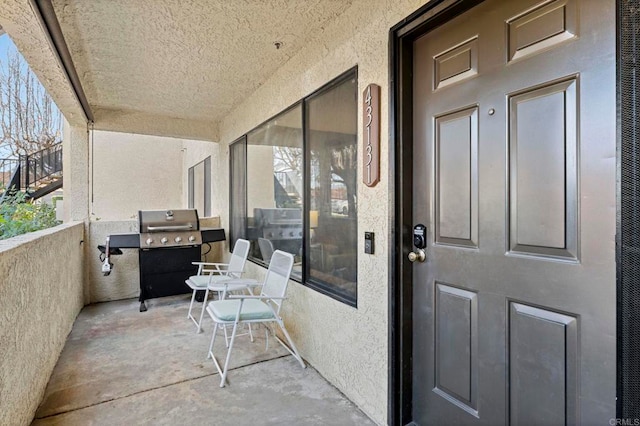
{"x": 346, "y": 345}
{"x": 134, "y": 172}
{"x": 124, "y": 280}
{"x": 41, "y": 293}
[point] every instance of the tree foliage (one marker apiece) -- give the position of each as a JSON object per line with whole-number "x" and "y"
{"x": 20, "y": 216}
{"x": 288, "y": 159}
{"x": 29, "y": 119}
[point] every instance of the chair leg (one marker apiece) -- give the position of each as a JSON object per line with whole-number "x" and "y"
{"x": 221, "y": 296}
{"x": 212, "y": 356}
{"x": 190, "y": 314}
{"x": 250, "y": 332}
{"x": 226, "y": 362}
{"x": 204, "y": 305}
{"x": 226, "y": 336}
{"x": 249, "y": 324}
{"x": 292, "y": 348}
{"x": 213, "y": 339}
{"x": 193, "y": 297}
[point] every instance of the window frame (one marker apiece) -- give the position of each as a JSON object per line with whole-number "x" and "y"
{"x": 306, "y": 279}
{"x": 242, "y": 143}
{"x": 313, "y": 282}
{"x": 206, "y": 183}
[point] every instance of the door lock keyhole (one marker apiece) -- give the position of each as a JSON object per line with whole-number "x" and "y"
{"x": 418, "y": 255}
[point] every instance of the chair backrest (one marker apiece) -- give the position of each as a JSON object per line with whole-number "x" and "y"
{"x": 239, "y": 257}
{"x": 266, "y": 249}
{"x": 277, "y": 277}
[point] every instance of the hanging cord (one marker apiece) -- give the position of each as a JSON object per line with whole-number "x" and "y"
{"x": 91, "y": 130}
{"x": 208, "y": 251}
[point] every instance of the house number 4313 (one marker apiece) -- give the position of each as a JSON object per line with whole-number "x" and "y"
{"x": 371, "y": 135}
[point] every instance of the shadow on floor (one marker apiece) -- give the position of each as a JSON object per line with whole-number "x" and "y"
{"x": 120, "y": 366}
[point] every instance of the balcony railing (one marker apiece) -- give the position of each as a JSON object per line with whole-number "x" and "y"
{"x": 37, "y": 174}
{"x": 8, "y": 167}
{"x": 40, "y": 165}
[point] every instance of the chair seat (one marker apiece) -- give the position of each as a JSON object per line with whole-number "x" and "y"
{"x": 203, "y": 280}
{"x": 218, "y": 282}
{"x": 252, "y": 309}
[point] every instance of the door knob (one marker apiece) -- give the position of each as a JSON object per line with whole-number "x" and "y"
{"x": 418, "y": 255}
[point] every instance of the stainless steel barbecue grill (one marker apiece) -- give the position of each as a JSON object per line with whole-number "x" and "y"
{"x": 281, "y": 226}
{"x": 168, "y": 242}
{"x": 169, "y": 228}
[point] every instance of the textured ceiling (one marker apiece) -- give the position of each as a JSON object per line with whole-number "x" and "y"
{"x": 190, "y": 60}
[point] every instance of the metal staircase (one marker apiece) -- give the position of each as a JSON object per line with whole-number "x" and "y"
{"x": 36, "y": 174}
{"x": 286, "y": 192}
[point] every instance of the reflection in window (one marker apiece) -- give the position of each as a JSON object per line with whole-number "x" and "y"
{"x": 271, "y": 173}
{"x": 332, "y": 150}
{"x": 275, "y": 187}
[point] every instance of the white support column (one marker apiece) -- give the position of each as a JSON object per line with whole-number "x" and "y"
{"x": 75, "y": 163}
{"x": 75, "y": 170}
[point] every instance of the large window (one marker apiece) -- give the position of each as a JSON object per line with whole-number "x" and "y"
{"x": 294, "y": 186}
{"x": 274, "y": 187}
{"x": 331, "y": 146}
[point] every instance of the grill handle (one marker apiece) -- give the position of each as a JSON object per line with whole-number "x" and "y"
{"x": 170, "y": 228}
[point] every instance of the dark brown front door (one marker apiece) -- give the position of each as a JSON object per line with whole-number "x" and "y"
{"x": 514, "y": 177}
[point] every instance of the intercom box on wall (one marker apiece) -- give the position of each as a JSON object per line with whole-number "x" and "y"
{"x": 369, "y": 240}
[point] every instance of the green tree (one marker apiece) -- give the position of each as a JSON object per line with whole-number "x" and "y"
{"x": 29, "y": 119}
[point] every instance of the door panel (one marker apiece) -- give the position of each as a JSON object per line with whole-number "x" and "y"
{"x": 514, "y": 176}
{"x": 543, "y": 166}
{"x": 543, "y": 349}
{"x": 456, "y": 346}
{"x": 456, "y": 177}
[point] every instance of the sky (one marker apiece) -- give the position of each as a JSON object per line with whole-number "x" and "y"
{"x": 6, "y": 46}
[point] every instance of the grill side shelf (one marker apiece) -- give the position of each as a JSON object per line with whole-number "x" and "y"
{"x": 124, "y": 240}
{"x": 211, "y": 235}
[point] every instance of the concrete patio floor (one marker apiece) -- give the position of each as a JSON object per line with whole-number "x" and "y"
{"x": 123, "y": 367}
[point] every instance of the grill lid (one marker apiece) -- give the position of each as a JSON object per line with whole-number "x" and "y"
{"x": 169, "y": 228}
{"x": 154, "y": 221}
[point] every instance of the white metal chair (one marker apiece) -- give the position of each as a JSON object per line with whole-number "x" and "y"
{"x": 266, "y": 249}
{"x": 250, "y": 309}
{"x": 220, "y": 277}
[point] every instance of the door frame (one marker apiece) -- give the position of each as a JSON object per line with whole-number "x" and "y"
{"x": 400, "y": 332}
